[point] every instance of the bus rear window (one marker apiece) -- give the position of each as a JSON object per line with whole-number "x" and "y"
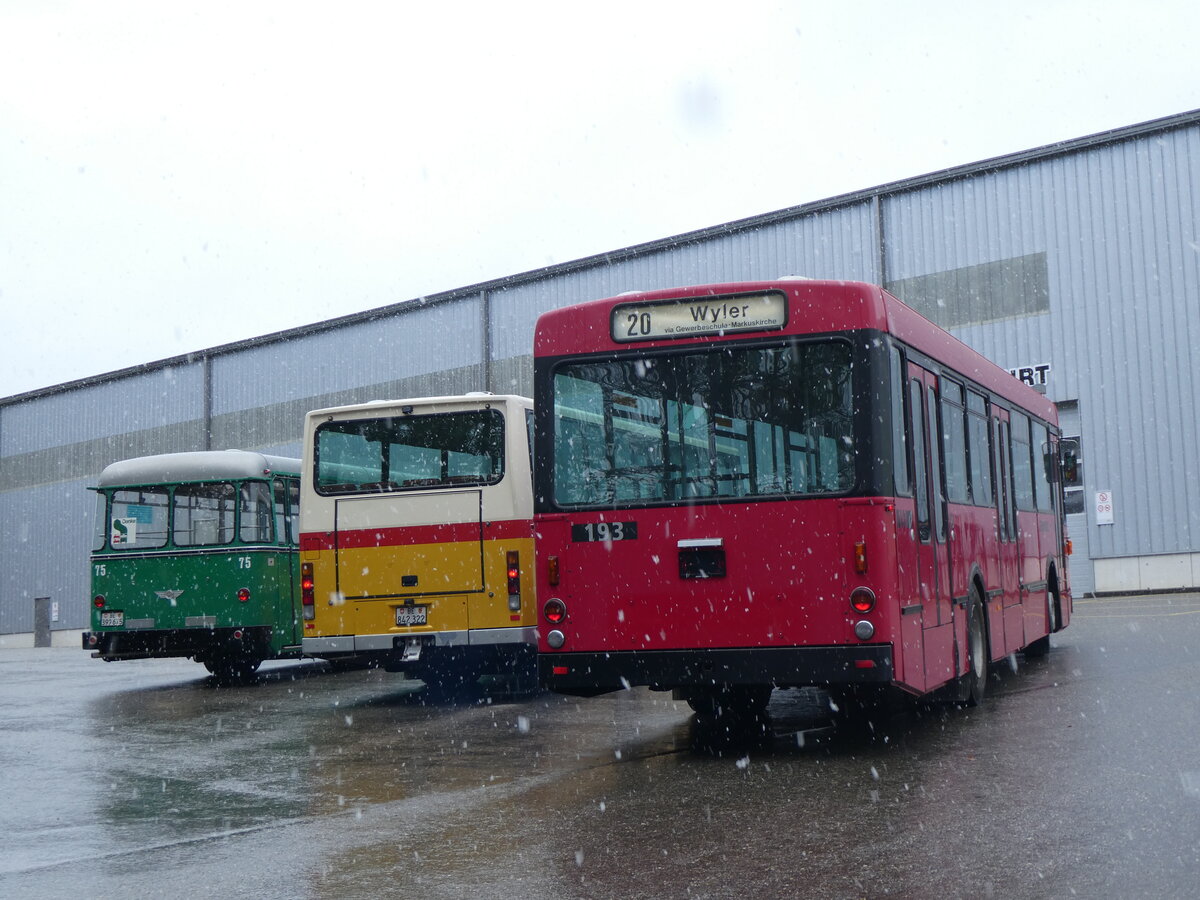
{"x": 138, "y": 519}
{"x": 395, "y": 453}
{"x": 733, "y": 422}
{"x": 204, "y": 514}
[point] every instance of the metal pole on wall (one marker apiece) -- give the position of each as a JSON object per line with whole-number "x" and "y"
{"x": 485, "y": 304}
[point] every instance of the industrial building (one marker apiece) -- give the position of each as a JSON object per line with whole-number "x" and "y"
{"x": 1076, "y": 266}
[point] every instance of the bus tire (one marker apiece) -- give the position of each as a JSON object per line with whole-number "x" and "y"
{"x": 719, "y": 700}
{"x": 233, "y": 669}
{"x": 1041, "y": 646}
{"x": 975, "y": 681}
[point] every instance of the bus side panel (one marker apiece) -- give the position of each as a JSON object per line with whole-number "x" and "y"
{"x": 1039, "y": 550}
{"x": 175, "y": 591}
{"x": 910, "y": 662}
{"x": 486, "y": 607}
{"x": 786, "y": 582}
{"x": 197, "y": 593}
{"x": 973, "y": 534}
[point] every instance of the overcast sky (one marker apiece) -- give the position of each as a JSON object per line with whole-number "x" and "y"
{"x": 174, "y": 176}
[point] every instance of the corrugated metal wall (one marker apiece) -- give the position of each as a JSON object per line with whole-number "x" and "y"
{"x": 1108, "y": 227}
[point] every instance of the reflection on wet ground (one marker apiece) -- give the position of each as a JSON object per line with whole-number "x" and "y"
{"x": 1078, "y": 776}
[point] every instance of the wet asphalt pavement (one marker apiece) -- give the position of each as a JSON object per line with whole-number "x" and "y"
{"x": 1079, "y": 776}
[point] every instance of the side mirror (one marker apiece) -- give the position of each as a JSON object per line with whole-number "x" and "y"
{"x": 1068, "y": 454}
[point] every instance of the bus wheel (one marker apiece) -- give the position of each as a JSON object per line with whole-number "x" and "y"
{"x": 1041, "y": 646}
{"x": 233, "y": 669}
{"x": 975, "y": 681}
{"x": 713, "y": 702}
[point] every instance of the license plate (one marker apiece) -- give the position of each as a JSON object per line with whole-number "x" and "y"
{"x": 112, "y": 619}
{"x": 412, "y": 615}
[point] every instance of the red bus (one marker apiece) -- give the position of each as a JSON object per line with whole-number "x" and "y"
{"x": 793, "y": 483}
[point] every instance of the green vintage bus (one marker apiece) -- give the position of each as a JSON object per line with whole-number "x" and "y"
{"x": 195, "y": 555}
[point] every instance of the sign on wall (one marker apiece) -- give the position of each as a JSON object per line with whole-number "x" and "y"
{"x": 1104, "y": 507}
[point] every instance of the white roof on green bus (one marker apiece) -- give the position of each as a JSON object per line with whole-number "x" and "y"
{"x": 199, "y": 465}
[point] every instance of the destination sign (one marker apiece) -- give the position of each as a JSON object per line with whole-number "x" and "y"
{"x": 697, "y": 316}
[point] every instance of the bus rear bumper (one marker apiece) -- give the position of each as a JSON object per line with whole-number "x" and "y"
{"x": 341, "y": 645}
{"x": 588, "y": 674}
{"x": 168, "y": 643}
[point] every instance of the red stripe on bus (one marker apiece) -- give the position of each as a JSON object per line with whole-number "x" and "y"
{"x": 444, "y": 533}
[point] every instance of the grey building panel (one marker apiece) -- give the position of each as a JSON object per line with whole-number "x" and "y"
{"x": 1117, "y": 224}
{"x": 403, "y": 344}
{"x": 159, "y": 397}
{"x": 1084, "y": 256}
{"x": 837, "y": 243}
{"x": 48, "y": 532}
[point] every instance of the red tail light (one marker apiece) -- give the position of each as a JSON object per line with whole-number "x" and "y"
{"x": 307, "y": 591}
{"x": 98, "y": 601}
{"x": 513, "y": 566}
{"x": 555, "y": 611}
{"x": 862, "y": 599}
{"x": 514, "y": 572}
{"x": 243, "y": 594}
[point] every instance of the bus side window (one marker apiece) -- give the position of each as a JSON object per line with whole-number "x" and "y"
{"x": 287, "y": 510}
{"x": 916, "y": 411}
{"x": 255, "y": 513}
{"x": 900, "y": 463}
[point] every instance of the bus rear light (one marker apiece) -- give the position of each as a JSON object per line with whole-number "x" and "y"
{"x": 98, "y": 601}
{"x": 243, "y": 595}
{"x": 860, "y": 557}
{"x": 561, "y": 670}
{"x": 864, "y": 664}
{"x": 552, "y": 571}
{"x": 237, "y": 634}
{"x": 864, "y": 631}
{"x": 307, "y": 591}
{"x": 555, "y": 611}
{"x": 1068, "y": 548}
{"x": 513, "y": 566}
{"x": 556, "y": 639}
{"x": 862, "y": 599}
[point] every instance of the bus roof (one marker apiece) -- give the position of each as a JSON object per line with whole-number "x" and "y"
{"x": 816, "y": 307}
{"x": 472, "y": 400}
{"x": 199, "y": 465}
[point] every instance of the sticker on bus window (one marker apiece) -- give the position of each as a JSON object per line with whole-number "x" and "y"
{"x": 124, "y": 531}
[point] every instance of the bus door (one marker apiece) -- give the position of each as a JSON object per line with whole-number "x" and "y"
{"x": 287, "y": 535}
{"x": 1008, "y": 585}
{"x": 932, "y": 551}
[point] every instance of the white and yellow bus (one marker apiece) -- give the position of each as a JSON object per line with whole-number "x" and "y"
{"x": 416, "y": 545}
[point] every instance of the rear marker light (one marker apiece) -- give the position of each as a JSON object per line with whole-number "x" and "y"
{"x": 862, "y": 599}
{"x": 552, "y": 571}
{"x": 560, "y": 670}
{"x": 307, "y": 591}
{"x": 864, "y": 664}
{"x": 860, "y": 557}
{"x": 513, "y": 565}
{"x": 555, "y": 611}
